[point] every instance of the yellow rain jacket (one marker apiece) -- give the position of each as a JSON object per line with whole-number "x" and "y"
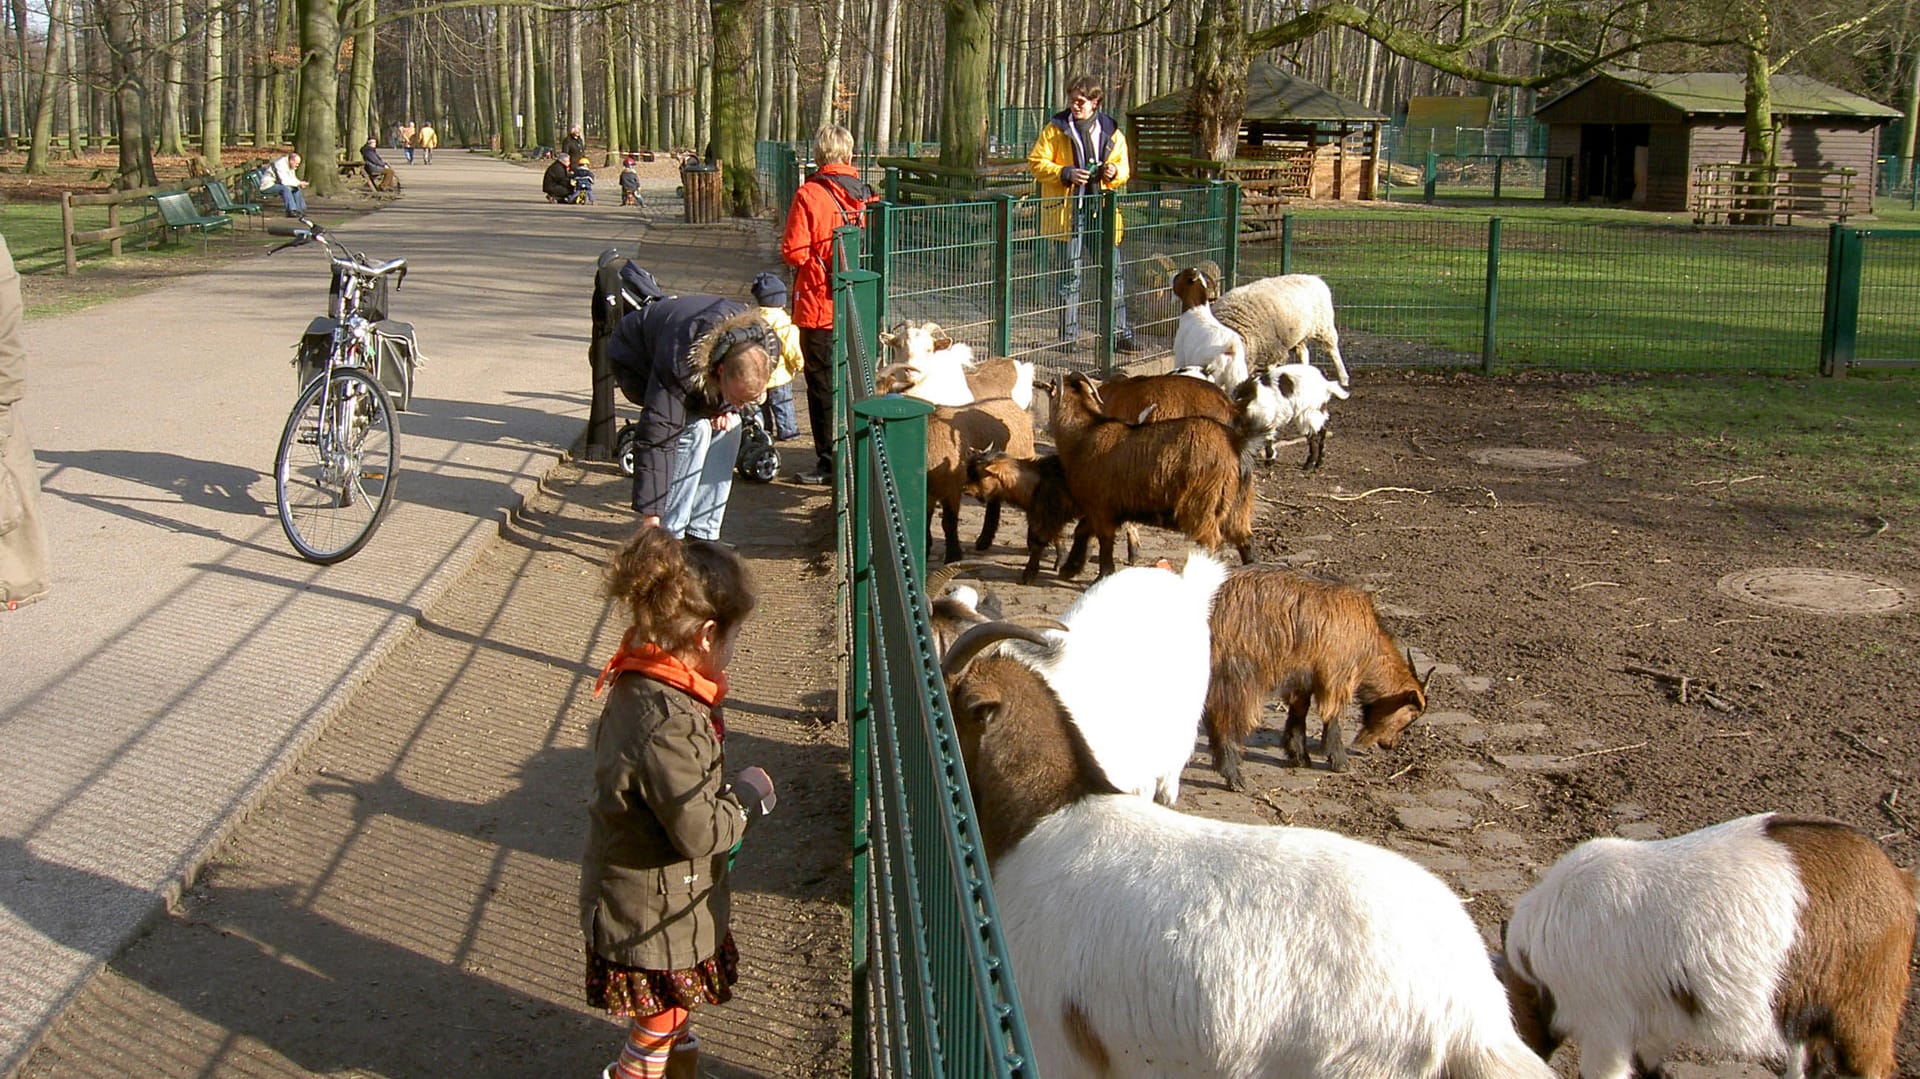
{"x": 1057, "y": 148}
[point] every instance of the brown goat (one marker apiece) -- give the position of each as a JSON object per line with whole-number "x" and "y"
{"x": 1319, "y": 643}
{"x": 955, "y": 434}
{"x": 1170, "y": 397}
{"x": 1186, "y": 474}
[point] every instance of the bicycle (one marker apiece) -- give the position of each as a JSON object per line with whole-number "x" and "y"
{"x": 339, "y": 455}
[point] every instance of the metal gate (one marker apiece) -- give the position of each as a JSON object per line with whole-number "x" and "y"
{"x": 1873, "y": 287}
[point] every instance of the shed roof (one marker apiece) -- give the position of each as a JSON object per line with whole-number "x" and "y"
{"x": 1272, "y": 94}
{"x": 1721, "y": 93}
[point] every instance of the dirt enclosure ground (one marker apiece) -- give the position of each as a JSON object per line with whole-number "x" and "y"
{"x": 1545, "y": 595}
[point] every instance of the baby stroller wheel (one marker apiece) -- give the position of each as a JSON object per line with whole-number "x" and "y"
{"x": 758, "y": 459}
{"x": 623, "y": 448}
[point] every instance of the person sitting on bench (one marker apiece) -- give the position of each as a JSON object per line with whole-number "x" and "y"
{"x": 283, "y": 178}
{"x": 375, "y": 165}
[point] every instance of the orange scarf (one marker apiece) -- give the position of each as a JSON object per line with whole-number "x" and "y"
{"x": 652, "y": 661}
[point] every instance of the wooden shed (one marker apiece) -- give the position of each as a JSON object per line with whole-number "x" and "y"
{"x": 1637, "y": 138}
{"x": 1296, "y": 139}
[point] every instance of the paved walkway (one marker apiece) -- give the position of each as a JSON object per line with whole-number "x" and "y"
{"x": 185, "y": 655}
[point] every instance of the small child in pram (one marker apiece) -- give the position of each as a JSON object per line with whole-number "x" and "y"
{"x": 582, "y": 180}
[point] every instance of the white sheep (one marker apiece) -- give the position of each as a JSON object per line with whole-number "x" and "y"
{"x": 1775, "y": 938}
{"x": 1289, "y": 400}
{"x": 1146, "y": 942}
{"x": 1280, "y": 315}
{"x": 930, "y": 365}
{"x": 1201, "y": 340}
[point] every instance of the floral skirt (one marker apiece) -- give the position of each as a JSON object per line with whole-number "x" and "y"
{"x": 638, "y": 993}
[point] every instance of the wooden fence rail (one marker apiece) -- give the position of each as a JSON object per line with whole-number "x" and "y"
{"x": 1768, "y": 195}
{"x": 113, "y": 201}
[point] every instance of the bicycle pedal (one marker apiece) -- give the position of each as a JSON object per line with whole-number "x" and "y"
{"x": 308, "y": 437}
{"x": 374, "y": 474}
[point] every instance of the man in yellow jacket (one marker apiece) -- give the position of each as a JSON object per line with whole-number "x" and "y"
{"x": 1080, "y": 153}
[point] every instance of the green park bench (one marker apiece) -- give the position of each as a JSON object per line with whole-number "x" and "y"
{"x": 223, "y": 202}
{"x": 178, "y": 212}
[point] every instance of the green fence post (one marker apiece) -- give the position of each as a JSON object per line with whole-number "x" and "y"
{"x": 1002, "y": 274}
{"x": 1109, "y": 219}
{"x": 1492, "y": 312}
{"x": 857, "y": 541}
{"x": 1286, "y": 242}
{"x": 879, "y": 241}
{"x": 1230, "y": 243}
{"x": 903, "y": 427}
{"x": 1498, "y": 165}
{"x": 1840, "y": 326}
{"x": 890, "y": 183}
{"x": 1433, "y": 173}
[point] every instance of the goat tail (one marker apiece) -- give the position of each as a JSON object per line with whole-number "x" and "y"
{"x": 1509, "y": 1059}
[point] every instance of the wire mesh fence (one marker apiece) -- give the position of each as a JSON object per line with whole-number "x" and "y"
{"x": 1574, "y": 296}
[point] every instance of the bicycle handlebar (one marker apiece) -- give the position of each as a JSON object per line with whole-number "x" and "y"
{"x": 338, "y": 253}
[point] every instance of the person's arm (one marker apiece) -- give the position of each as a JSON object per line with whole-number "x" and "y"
{"x": 1118, "y": 160}
{"x": 796, "y": 243}
{"x": 681, "y": 781}
{"x": 1040, "y": 159}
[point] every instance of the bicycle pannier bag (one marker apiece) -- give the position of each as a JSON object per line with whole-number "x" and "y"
{"x": 395, "y": 359}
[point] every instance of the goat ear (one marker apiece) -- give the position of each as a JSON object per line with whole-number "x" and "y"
{"x": 941, "y": 340}
{"x": 1417, "y": 676}
{"x": 887, "y": 338}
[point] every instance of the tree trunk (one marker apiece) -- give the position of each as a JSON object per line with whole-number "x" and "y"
{"x": 503, "y": 96}
{"x": 171, "y": 140}
{"x": 130, "y": 95}
{"x": 767, "y": 62}
{"x": 259, "y": 70}
{"x": 1912, "y": 126}
{"x": 1758, "y": 146}
{"x": 969, "y": 66}
{"x": 213, "y": 99}
{"x": 39, "y": 147}
{"x": 76, "y": 112}
{"x": 610, "y": 86}
{"x": 830, "y": 35}
{"x": 1219, "y": 81}
{"x": 577, "y": 76}
{"x": 883, "y": 77}
{"x": 733, "y": 95}
{"x": 281, "y": 82}
{"x": 317, "y": 139}
{"x": 360, "y": 78}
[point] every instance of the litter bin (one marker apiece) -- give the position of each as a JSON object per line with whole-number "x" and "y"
{"x": 702, "y": 185}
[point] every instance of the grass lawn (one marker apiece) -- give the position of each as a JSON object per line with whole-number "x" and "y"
{"x": 1852, "y": 436}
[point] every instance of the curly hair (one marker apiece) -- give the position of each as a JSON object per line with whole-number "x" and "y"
{"x": 672, "y": 587}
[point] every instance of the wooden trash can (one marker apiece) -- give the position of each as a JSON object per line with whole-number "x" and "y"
{"x": 702, "y": 186}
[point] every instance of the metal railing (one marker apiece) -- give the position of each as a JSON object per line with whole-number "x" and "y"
{"x": 932, "y": 983}
{"x": 1873, "y": 288}
{"x": 994, "y": 272}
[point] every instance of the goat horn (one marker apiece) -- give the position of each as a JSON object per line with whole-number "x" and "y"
{"x": 939, "y": 579}
{"x": 1417, "y": 676}
{"x": 981, "y": 637}
{"x": 1039, "y": 621}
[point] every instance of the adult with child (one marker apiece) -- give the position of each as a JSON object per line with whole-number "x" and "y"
{"x": 691, "y": 363}
{"x": 283, "y": 179}
{"x": 771, "y": 294}
{"x": 1080, "y": 153}
{"x": 663, "y": 822}
{"x": 833, "y": 196}
{"x": 557, "y": 181}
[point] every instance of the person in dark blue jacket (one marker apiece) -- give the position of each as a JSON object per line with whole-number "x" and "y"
{"x": 691, "y": 362}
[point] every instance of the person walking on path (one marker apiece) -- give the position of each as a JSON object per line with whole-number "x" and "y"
{"x": 406, "y": 134}
{"x": 1080, "y": 153}
{"x": 283, "y": 177}
{"x": 833, "y": 196}
{"x": 426, "y": 138}
{"x": 690, "y": 362}
{"x": 23, "y": 542}
{"x": 663, "y": 821}
{"x": 771, "y": 294}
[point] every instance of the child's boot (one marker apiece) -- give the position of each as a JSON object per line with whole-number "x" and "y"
{"x": 684, "y": 1061}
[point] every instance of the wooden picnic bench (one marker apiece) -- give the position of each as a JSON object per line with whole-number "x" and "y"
{"x": 177, "y": 211}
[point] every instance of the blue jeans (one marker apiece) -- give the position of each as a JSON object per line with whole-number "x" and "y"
{"x": 702, "y": 479}
{"x": 295, "y": 198}
{"x": 786, "y": 424}
{"x": 1073, "y": 254}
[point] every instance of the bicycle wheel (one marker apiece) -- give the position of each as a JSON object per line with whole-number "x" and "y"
{"x": 338, "y": 460}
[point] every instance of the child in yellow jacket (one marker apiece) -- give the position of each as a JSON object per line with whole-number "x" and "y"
{"x": 771, "y": 294}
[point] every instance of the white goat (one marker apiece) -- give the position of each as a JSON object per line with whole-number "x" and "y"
{"x": 1776, "y": 938}
{"x": 1132, "y": 669}
{"x": 932, "y": 366}
{"x": 1146, "y": 942}
{"x": 1201, "y": 340}
{"x": 1280, "y": 315}
{"x": 1290, "y": 400}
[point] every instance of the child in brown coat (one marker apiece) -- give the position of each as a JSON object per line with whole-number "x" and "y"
{"x": 653, "y": 884}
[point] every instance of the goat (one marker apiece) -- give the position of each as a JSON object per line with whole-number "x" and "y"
{"x": 1319, "y": 643}
{"x": 1280, "y": 315}
{"x": 1170, "y": 397}
{"x": 1201, "y": 340}
{"x": 1776, "y": 938}
{"x": 933, "y": 367}
{"x": 953, "y": 435}
{"x": 1146, "y": 942}
{"x": 1186, "y": 473}
{"x": 1290, "y": 399}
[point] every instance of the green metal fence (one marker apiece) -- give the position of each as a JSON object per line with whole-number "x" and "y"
{"x": 993, "y": 272}
{"x": 933, "y": 987}
{"x": 1873, "y": 290}
{"x": 1566, "y": 295}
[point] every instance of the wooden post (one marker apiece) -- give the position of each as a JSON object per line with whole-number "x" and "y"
{"x": 66, "y": 231}
{"x": 1370, "y": 165}
{"x": 1340, "y": 164}
{"x": 113, "y": 223}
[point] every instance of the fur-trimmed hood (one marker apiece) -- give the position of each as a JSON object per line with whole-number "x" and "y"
{"x": 703, "y": 356}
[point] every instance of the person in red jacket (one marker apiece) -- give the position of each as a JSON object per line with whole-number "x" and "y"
{"x": 833, "y": 196}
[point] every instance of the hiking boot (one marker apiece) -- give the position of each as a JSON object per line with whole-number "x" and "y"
{"x": 816, "y": 478}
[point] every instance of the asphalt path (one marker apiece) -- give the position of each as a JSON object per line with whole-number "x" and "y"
{"x": 186, "y": 654}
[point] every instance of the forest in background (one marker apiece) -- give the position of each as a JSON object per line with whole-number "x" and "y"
{"x": 199, "y": 76}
